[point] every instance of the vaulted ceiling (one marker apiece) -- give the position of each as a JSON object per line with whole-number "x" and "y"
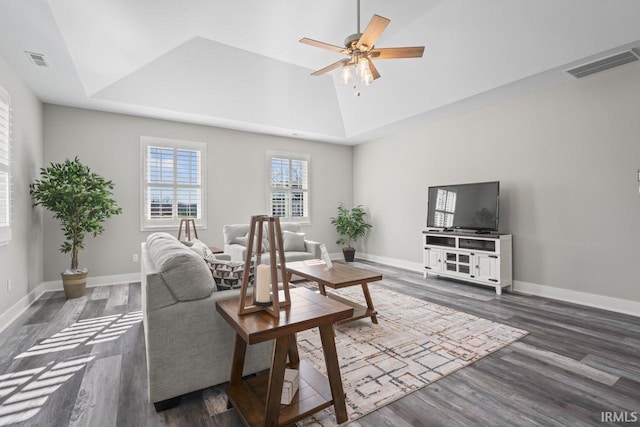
{"x": 238, "y": 64}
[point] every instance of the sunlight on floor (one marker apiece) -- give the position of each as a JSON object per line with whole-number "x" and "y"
{"x": 101, "y": 329}
{"x": 23, "y": 393}
{"x": 36, "y": 388}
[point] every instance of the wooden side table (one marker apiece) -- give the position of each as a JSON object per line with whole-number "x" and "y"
{"x": 257, "y": 399}
{"x": 188, "y": 225}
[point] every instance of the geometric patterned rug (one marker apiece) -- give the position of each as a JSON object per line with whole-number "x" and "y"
{"x": 414, "y": 344}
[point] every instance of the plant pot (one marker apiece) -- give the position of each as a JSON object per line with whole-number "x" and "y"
{"x": 74, "y": 284}
{"x": 349, "y": 254}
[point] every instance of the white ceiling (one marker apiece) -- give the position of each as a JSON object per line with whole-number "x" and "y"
{"x": 238, "y": 64}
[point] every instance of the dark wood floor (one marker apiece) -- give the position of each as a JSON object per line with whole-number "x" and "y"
{"x": 576, "y": 366}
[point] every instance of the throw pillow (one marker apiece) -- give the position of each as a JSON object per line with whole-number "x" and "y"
{"x": 199, "y": 247}
{"x": 228, "y": 274}
{"x": 244, "y": 241}
{"x": 293, "y": 242}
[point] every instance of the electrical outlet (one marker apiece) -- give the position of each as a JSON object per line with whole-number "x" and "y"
{"x": 135, "y": 258}
{"x": 8, "y": 285}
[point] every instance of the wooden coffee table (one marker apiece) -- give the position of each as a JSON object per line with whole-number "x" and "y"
{"x": 340, "y": 276}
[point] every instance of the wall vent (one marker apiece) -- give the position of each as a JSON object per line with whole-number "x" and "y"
{"x": 37, "y": 58}
{"x": 604, "y": 63}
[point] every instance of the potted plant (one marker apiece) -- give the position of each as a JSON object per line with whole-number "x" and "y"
{"x": 82, "y": 201}
{"x": 350, "y": 225}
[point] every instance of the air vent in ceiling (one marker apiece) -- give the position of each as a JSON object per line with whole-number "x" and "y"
{"x": 37, "y": 58}
{"x": 604, "y": 64}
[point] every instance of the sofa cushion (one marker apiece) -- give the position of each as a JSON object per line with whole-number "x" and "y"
{"x": 184, "y": 272}
{"x": 293, "y": 242}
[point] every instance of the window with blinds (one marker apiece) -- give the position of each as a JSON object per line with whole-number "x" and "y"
{"x": 173, "y": 178}
{"x": 445, "y": 208}
{"x": 5, "y": 170}
{"x": 288, "y": 186}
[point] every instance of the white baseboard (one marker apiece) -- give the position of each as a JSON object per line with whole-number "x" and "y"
{"x": 617, "y": 305}
{"x": 583, "y": 298}
{"x": 117, "y": 279}
{"x": 20, "y": 307}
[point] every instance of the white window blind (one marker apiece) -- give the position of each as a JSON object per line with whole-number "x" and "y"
{"x": 5, "y": 169}
{"x": 288, "y": 186}
{"x": 445, "y": 208}
{"x": 173, "y": 182}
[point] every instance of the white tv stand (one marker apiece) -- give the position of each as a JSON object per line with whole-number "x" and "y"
{"x": 477, "y": 258}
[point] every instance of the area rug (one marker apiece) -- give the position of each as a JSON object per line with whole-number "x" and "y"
{"x": 414, "y": 344}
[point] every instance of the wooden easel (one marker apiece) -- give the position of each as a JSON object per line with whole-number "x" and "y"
{"x": 275, "y": 239}
{"x": 187, "y": 224}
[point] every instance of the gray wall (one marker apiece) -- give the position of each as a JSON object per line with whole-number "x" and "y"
{"x": 21, "y": 258}
{"x": 567, "y": 159}
{"x": 236, "y": 174}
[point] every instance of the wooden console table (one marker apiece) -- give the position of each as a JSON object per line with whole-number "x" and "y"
{"x": 257, "y": 399}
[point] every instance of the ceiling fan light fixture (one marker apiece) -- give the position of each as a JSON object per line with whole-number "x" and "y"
{"x": 345, "y": 74}
{"x": 363, "y": 66}
{"x": 367, "y": 77}
{"x": 360, "y": 50}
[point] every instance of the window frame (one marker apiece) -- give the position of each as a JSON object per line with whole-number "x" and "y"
{"x": 5, "y": 229}
{"x": 148, "y": 224}
{"x": 271, "y": 154}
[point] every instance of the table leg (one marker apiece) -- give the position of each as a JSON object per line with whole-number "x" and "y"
{"x": 237, "y": 363}
{"x": 294, "y": 357}
{"x": 367, "y": 297}
{"x": 323, "y": 291}
{"x": 276, "y": 380}
{"x": 333, "y": 372}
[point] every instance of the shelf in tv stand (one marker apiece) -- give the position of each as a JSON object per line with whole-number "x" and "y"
{"x": 485, "y": 259}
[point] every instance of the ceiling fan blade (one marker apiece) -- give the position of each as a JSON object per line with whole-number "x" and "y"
{"x": 373, "y": 31}
{"x": 374, "y": 70}
{"x": 322, "y": 45}
{"x": 330, "y": 67}
{"x": 398, "y": 52}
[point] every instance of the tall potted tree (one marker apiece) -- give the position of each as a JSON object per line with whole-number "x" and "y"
{"x": 82, "y": 201}
{"x": 350, "y": 225}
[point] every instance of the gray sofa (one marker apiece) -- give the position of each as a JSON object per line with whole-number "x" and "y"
{"x": 189, "y": 345}
{"x": 296, "y": 247}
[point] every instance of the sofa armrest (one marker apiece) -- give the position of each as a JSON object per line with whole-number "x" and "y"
{"x": 313, "y": 247}
{"x": 236, "y": 252}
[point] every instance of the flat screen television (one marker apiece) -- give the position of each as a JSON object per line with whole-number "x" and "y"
{"x": 466, "y": 206}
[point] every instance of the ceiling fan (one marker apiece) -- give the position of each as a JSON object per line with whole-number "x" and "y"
{"x": 360, "y": 49}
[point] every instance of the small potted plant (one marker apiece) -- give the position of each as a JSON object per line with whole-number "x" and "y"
{"x": 82, "y": 201}
{"x": 350, "y": 225}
